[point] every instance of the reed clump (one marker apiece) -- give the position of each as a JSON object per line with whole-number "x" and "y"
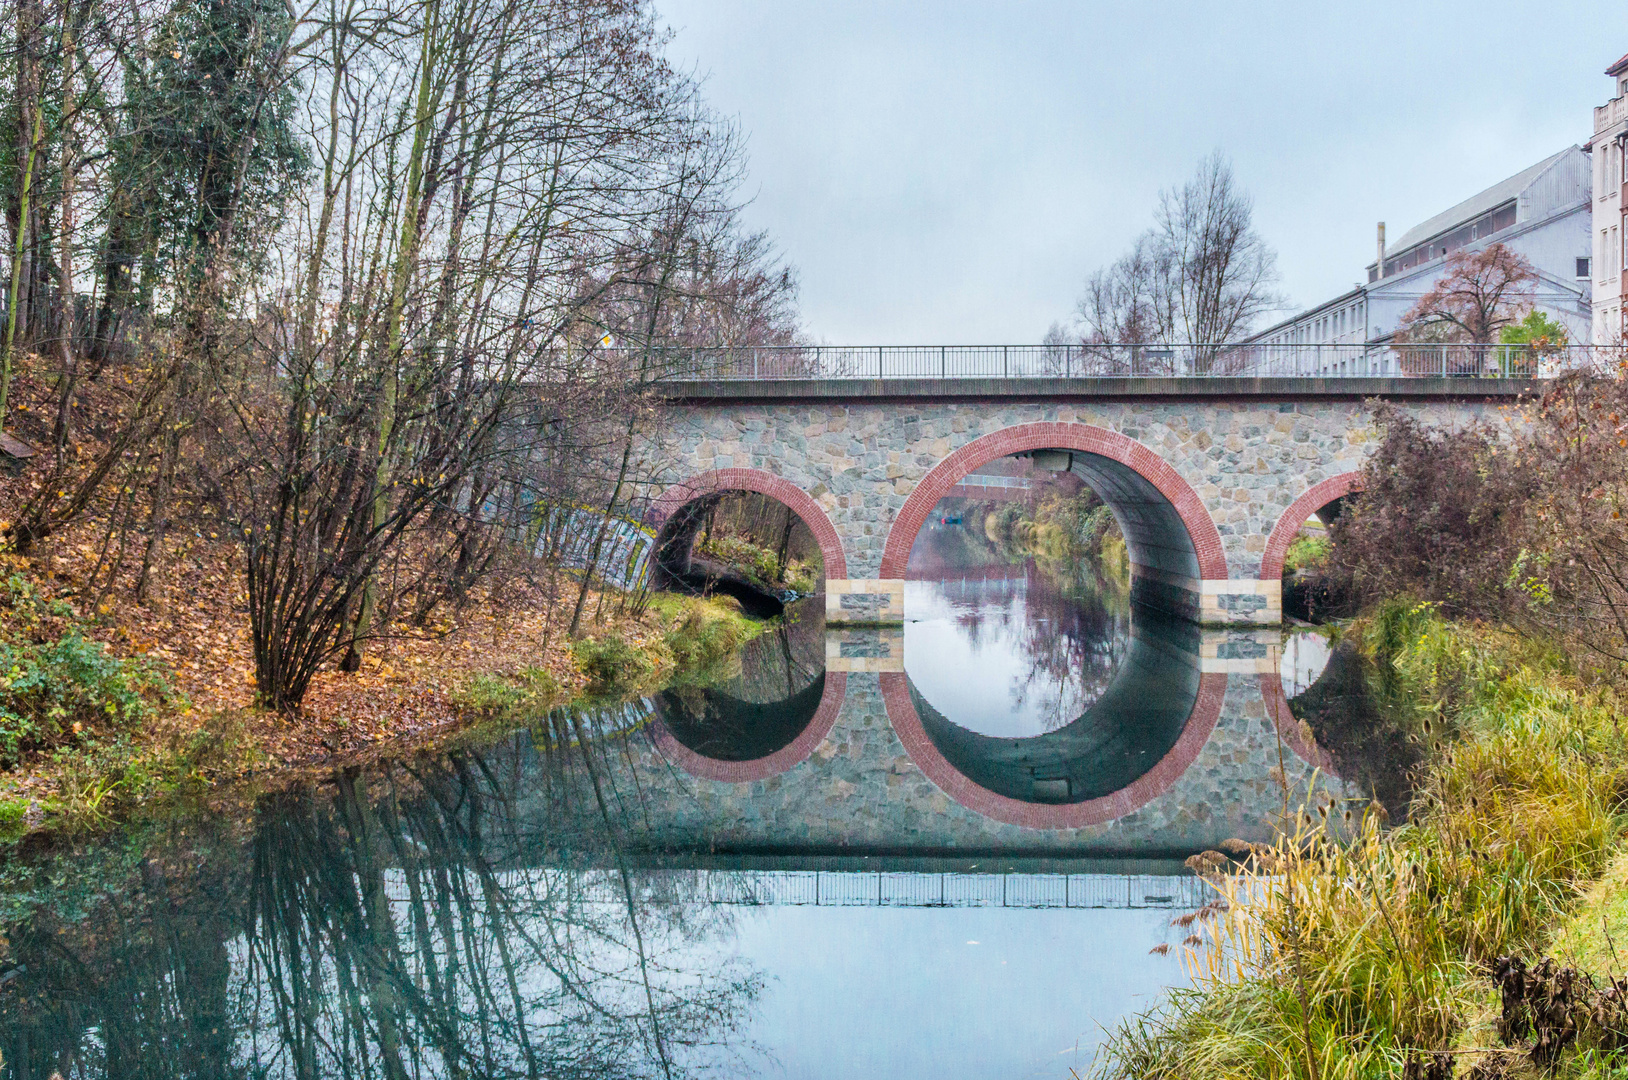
{"x": 1354, "y": 949}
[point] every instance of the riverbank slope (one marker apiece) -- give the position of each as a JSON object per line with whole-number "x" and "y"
{"x": 1354, "y": 949}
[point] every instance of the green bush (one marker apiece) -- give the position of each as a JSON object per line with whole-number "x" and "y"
{"x": 63, "y": 692}
{"x": 1306, "y": 551}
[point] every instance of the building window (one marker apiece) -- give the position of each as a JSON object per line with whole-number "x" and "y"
{"x": 1582, "y": 268}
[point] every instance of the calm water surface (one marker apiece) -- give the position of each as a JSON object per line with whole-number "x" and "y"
{"x": 780, "y": 875}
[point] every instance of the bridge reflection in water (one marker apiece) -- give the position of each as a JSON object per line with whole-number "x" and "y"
{"x": 882, "y": 888}
{"x": 663, "y": 888}
{"x": 846, "y": 742}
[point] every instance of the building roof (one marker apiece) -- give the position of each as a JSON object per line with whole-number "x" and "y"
{"x": 1475, "y": 205}
{"x": 1618, "y": 68}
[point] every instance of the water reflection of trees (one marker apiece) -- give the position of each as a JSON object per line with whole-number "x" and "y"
{"x": 1073, "y": 638}
{"x": 1071, "y": 634}
{"x": 409, "y": 922}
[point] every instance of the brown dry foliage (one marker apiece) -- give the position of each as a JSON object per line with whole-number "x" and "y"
{"x": 1524, "y": 524}
{"x": 1436, "y": 515}
{"x": 1480, "y": 293}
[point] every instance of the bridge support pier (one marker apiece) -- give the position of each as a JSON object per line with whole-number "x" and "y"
{"x": 864, "y": 601}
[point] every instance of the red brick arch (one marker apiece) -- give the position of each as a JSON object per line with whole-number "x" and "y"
{"x": 764, "y": 483}
{"x": 793, "y": 753}
{"x": 1051, "y": 435}
{"x": 901, "y": 713}
{"x": 1283, "y": 534}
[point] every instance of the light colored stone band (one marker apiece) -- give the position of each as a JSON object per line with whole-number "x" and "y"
{"x": 864, "y": 600}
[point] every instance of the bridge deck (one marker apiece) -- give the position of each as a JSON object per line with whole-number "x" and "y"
{"x": 1105, "y": 388}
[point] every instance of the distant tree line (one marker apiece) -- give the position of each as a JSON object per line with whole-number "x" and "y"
{"x": 358, "y": 283}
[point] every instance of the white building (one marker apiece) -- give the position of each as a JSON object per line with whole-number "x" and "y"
{"x": 1542, "y": 213}
{"x": 1610, "y": 228}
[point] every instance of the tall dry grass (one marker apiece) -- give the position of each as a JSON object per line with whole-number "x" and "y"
{"x": 1385, "y": 933}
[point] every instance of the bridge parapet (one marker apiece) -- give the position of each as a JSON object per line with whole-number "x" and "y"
{"x": 1248, "y": 360}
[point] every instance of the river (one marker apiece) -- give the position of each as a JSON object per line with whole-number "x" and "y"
{"x": 944, "y": 852}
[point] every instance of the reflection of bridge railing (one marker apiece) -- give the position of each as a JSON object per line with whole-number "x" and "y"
{"x": 824, "y": 888}
{"x": 1139, "y": 361}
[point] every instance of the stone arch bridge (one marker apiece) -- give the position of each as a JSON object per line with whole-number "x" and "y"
{"x": 1210, "y": 478}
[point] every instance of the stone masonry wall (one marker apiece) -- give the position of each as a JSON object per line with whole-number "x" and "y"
{"x": 1246, "y": 460}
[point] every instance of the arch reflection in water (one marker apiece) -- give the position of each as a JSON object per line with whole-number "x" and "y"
{"x": 1130, "y": 727}
{"x": 768, "y": 716}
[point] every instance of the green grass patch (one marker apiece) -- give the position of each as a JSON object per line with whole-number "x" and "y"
{"x": 1345, "y": 949}
{"x": 612, "y": 665}
{"x": 1594, "y": 937}
{"x": 521, "y": 697}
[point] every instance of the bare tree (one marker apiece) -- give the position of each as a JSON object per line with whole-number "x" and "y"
{"x": 1201, "y": 276}
{"x": 1127, "y": 303}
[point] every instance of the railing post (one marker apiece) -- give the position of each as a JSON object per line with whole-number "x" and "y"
{"x": 1005, "y": 364}
{"x": 943, "y": 368}
{"x": 878, "y": 361}
{"x": 754, "y": 365}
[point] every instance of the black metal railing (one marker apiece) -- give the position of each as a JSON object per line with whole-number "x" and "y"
{"x": 1333, "y": 361}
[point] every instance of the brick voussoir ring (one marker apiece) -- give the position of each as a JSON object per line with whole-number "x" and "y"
{"x": 764, "y": 483}
{"x": 1156, "y": 781}
{"x": 744, "y": 772}
{"x": 1054, "y": 435}
{"x": 1313, "y": 500}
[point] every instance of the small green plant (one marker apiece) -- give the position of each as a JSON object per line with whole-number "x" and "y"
{"x": 63, "y": 692}
{"x": 520, "y": 697}
{"x": 13, "y": 816}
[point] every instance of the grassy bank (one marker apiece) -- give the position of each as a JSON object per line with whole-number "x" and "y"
{"x": 1351, "y": 949}
{"x": 102, "y": 712}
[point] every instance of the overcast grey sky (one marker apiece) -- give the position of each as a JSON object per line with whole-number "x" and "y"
{"x": 950, "y": 171}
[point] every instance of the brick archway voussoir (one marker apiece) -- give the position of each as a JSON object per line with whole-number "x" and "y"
{"x": 1055, "y": 435}
{"x": 763, "y": 483}
{"x": 1312, "y": 500}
